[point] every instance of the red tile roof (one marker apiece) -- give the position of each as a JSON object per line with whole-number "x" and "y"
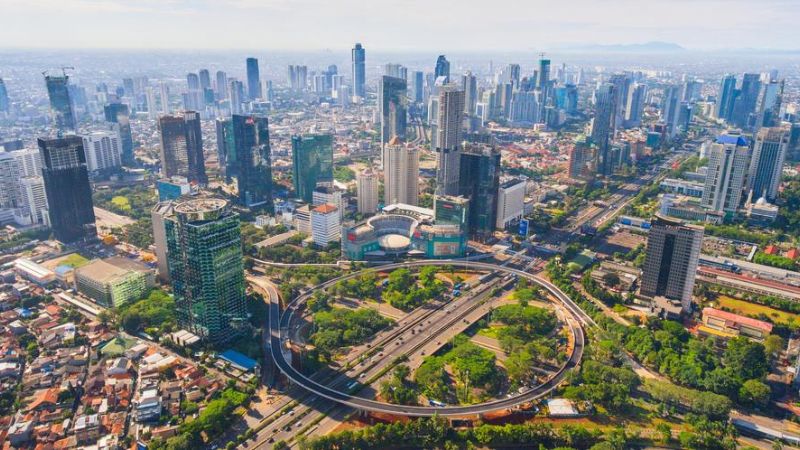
{"x": 737, "y": 319}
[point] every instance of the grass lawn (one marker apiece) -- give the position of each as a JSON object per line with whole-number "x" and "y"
{"x": 753, "y": 309}
{"x": 491, "y": 331}
{"x": 74, "y": 260}
{"x": 121, "y": 202}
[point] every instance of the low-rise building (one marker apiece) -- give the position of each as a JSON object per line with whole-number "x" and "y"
{"x": 114, "y": 281}
{"x": 728, "y": 324}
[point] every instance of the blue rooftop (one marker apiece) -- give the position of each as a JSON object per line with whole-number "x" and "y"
{"x": 737, "y": 140}
{"x": 239, "y": 360}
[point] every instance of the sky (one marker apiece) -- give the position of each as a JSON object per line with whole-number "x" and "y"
{"x": 397, "y": 25}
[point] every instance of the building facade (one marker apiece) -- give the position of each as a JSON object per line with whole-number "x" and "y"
{"x": 182, "y": 147}
{"x": 312, "y": 164}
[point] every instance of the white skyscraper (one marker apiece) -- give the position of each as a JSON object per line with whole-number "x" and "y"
{"x": 33, "y": 202}
{"x": 727, "y": 166}
{"x": 152, "y": 110}
{"x": 400, "y": 174}
{"x": 766, "y": 165}
{"x": 30, "y": 162}
{"x": 164, "y": 98}
{"x": 103, "y": 150}
{"x": 510, "y": 202}
{"x": 325, "y": 224}
{"x": 367, "y": 191}
{"x": 450, "y": 119}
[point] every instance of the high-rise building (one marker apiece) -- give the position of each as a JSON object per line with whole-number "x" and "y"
{"x": 728, "y": 158}
{"x": 33, "y": 201}
{"x": 419, "y": 86}
{"x": 30, "y": 162}
{"x": 580, "y": 159}
{"x": 671, "y": 257}
{"x": 225, "y": 153}
{"x": 400, "y": 174}
{"x": 193, "y": 81}
{"x": 204, "y": 253}
{"x": 634, "y": 106}
{"x": 469, "y": 83}
{"x": 769, "y": 104}
{"x": 359, "y": 71}
{"x": 61, "y": 102}
{"x": 118, "y": 113}
{"x": 253, "y": 79}
{"x": 746, "y": 101}
{"x": 367, "y": 192}
{"x": 602, "y": 127}
{"x": 163, "y": 93}
{"x": 222, "y": 85}
{"x": 766, "y": 164}
{"x": 103, "y": 150}
{"x": 5, "y": 104}
{"x": 442, "y": 68}
{"x": 236, "y": 96}
{"x": 252, "y": 157}
{"x": 326, "y": 227}
{"x": 329, "y": 194}
{"x": 448, "y": 138}
{"x": 9, "y": 184}
{"x": 69, "y": 195}
{"x": 727, "y": 94}
{"x": 479, "y": 182}
{"x": 510, "y": 203}
{"x": 182, "y": 147}
{"x": 392, "y": 94}
{"x": 670, "y": 108}
{"x": 312, "y": 164}
{"x": 205, "y": 79}
{"x": 451, "y": 209}
{"x": 158, "y": 214}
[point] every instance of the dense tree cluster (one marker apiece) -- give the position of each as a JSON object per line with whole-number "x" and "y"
{"x": 602, "y": 384}
{"x": 154, "y": 312}
{"x": 399, "y": 389}
{"x": 403, "y": 292}
{"x": 341, "y": 327}
{"x": 135, "y": 202}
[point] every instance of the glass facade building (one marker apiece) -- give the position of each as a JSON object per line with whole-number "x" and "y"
{"x": 312, "y": 164}
{"x": 182, "y": 147}
{"x": 118, "y": 113}
{"x": 204, "y": 254}
{"x": 480, "y": 180}
{"x": 252, "y": 159}
{"x": 60, "y": 102}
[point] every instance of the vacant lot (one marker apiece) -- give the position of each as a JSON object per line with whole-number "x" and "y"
{"x": 753, "y": 309}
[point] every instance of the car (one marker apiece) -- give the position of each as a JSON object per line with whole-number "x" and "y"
{"x": 362, "y": 375}
{"x": 291, "y": 412}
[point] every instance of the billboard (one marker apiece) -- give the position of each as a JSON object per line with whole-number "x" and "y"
{"x": 523, "y": 227}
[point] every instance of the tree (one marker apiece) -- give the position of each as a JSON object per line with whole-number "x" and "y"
{"x": 280, "y": 445}
{"x": 664, "y": 431}
{"x": 774, "y": 344}
{"x": 755, "y": 393}
{"x": 611, "y": 279}
{"x": 746, "y": 358}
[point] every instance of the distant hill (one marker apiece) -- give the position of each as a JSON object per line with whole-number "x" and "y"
{"x": 647, "y": 47}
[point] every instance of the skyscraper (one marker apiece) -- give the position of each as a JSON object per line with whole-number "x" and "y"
{"x": 367, "y": 192}
{"x": 479, "y": 182}
{"x": 204, "y": 254}
{"x": 359, "y": 71}
{"x": 182, "y": 147}
{"x": 670, "y": 108}
{"x": 448, "y": 140}
{"x": 394, "y": 108}
{"x": 225, "y": 151}
{"x": 469, "y": 83}
{"x": 766, "y": 164}
{"x": 253, "y": 79}
{"x": 60, "y": 102}
{"x": 312, "y": 164}
{"x": 602, "y": 127}
{"x": 442, "y": 68}
{"x": 118, "y": 113}
{"x": 5, "y": 104}
{"x": 670, "y": 264}
{"x": 727, "y": 94}
{"x": 635, "y": 105}
{"x": 253, "y": 161}
{"x": 222, "y": 85}
{"x": 769, "y": 105}
{"x": 744, "y": 105}
{"x": 66, "y": 181}
{"x": 400, "y": 173}
{"x": 419, "y": 86}
{"x": 728, "y": 158}
{"x": 103, "y": 151}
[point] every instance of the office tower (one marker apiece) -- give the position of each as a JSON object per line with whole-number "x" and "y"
{"x": 205, "y": 79}
{"x": 118, "y": 113}
{"x": 61, "y": 102}
{"x": 236, "y": 96}
{"x": 726, "y": 96}
{"x": 224, "y": 134}
{"x": 298, "y": 78}
{"x": 163, "y": 90}
{"x": 394, "y": 108}
{"x": 103, "y": 150}
{"x": 451, "y": 210}
{"x": 448, "y": 140}
{"x": 222, "y": 85}
{"x": 29, "y": 160}
{"x": 479, "y": 182}
{"x": 9, "y": 183}
{"x": 324, "y": 194}
{"x": 152, "y": 109}
{"x": 580, "y": 159}
{"x": 692, "y": 91}
{"x": 393, "y": 70}
{"x": 602, "y": 127}
{"x": 442, "y": 68}
{"x": 128, "y": 87}
{"x": 158, "y": 214}
{"x": 367, "y": 192}
{"x": 193, "y": 81}
{"x": 66, "y": 181}
{"x": 182, "y": 147}
{"x": 769, "y": 104}
{"x": 419, "y": 86}
{"x": 670, "y": 108}
{"x": 400, "y": 174}
{"x": 746, "y": 101}
{"x": 359, "y": 71}
{"x": 635, "y": 105}
{"x": 670, "y": 264}
{"x": 728, "y": 158}
{"x": 5, "y": 104}
{"x": 766, "y": 164}
{"x": 544, "y": 73}
{"x": 312, "y": 164}
{"x": 33, "y": 201}
{"x": 326, "y": 226}
{"x": 253, "y": 79}
{"x": 525, "y": 107}
{"x": 252, "y": 157}
{"x": 469, "y": 83}
{"x": 206, "y": 268}
{"x": 510, "y": 203}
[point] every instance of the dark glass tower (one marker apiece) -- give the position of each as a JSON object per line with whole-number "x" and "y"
{"x": 359, "y": 70}
{"x": 4, "y": 103}
{"x": 182, "y": 147}
{"x": 744, "y": 106}
{"x": 602, "y": 127}
{"x": 394, "y": 108}
{"x": 312, "y": 163}
{"x": 479, "y": 181}
{"x": 60, "y": 102}
{"x": 226, "y": 154}
{"x": 66, "y": 183}
{"x": 118, "y": 113}
{"x": 727, "y": 92}
{"x": 252, "y": 161}
{"x": 253, "y": 79}
{"x": 204, "y": 255}
{"x": 442, "y": 68}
